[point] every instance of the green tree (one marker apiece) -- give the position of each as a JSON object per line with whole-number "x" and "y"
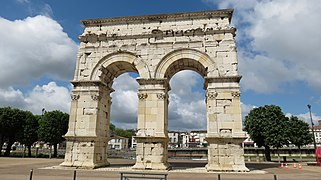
{"x": 11, "y": 124}
{"x": 299, "y": 133}
{"x": 52, "y": 126}
{"x": 112, "y": 127}
{"x": 30, "y": 128}
{"x": 267, "y": 127}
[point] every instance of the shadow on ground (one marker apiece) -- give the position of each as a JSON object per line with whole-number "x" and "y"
{"x": 187, "y": 164}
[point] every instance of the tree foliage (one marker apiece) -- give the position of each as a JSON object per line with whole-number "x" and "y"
{"x": 11, "y": 125}
{"x": 267, "y": 127}
{"x": 29, "y": 134}
{"x": 299, "y": 132}
{"x": 52, "y": 126}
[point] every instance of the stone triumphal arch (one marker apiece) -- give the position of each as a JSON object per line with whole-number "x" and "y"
{"x": 156, "y": 47}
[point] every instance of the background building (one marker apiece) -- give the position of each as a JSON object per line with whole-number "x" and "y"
{"x": 118, "y": 143}
{"x": 317, "y": 133}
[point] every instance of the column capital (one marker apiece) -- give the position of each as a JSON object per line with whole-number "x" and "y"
{"x": 74, "y": 96}
{"x": 211, "y": 94}
{"x": 236, "y": 94}
{"x": 142, "y": 96}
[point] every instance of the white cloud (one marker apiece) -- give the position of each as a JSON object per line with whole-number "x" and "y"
{"x": 32, "y": 48}
{"x": 36, "y": 8}
{"x": 183, "y": 85}
{"x": 186, "y": 115}
{"x": 186, "y": 106}
{"x": 50, "y": 96}
{"x": 46, "y": 10}
{"x": 306, "y": 117}
{"x": 282, "y": 42}
{"x": 246, "y": 108}
{"x": 124, "y": 102}
{"x": 23, "y": 1}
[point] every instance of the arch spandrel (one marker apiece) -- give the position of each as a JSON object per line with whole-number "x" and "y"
{"x": 202, "y": 63}
{"x": 131, "y": 62}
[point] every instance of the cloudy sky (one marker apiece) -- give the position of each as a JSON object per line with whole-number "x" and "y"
{"x": 279, "y": 49}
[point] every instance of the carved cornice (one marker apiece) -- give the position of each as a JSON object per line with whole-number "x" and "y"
{"x": 152, "y": 81}
{"x": 156, "y": 33}
{"x": 88, "y": 83}
{"x": 223, "y": 79}
{"x": 159, "y": 17}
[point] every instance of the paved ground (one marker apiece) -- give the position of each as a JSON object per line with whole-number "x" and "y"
{"x": 46, "y": 169}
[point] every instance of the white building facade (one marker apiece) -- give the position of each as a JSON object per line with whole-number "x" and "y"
{"x": 118, "y": 143}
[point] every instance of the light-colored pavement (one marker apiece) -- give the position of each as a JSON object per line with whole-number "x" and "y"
{"x": 46, "y": 169}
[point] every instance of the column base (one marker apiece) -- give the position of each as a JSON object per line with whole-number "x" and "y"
{"x": 85, "y": 152}
{"x": 151, "y": 153}
{"x": 151, "y": 166}
{"x": 84, "y": 165}
{"x": 226, "y": 154}
{"x": 231, "y": 168}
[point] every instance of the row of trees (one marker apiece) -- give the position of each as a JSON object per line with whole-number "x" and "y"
{"x": 22, "y": 126}
{"x": 269, "y": 127}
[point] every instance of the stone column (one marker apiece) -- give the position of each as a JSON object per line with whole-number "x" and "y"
{"x": 151, "y": 137}
{"x": 88, "y": 131}
{"x": 224, "y": 125}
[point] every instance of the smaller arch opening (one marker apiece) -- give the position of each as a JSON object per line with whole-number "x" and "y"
{"x": 125, "y": 101}
{"x": 187, "y": 116}
{"x": 123, "y": 113}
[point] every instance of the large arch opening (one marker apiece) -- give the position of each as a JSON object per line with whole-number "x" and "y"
{"x": 124, "y": 101}
{"x": 187, "y": 126}
{"x": 186, "y": 102}
{"x": 123, "y": 116}
{"x": 121, "y": 77}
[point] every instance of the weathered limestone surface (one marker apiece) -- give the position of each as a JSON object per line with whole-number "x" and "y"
{"x": 156, "y": 47}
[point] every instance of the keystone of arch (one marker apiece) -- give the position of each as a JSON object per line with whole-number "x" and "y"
{"x": 121, "y": 56}
{"x": 191, "y": 54}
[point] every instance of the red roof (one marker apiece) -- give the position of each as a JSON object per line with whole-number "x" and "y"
{"x": 317, "y": 127}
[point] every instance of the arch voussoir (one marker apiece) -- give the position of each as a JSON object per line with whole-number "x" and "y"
{"x": 183, "y": 54}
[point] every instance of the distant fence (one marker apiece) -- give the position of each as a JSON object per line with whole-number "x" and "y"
{"x": 248, "y": 152}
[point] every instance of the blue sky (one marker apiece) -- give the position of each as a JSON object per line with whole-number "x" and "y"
{"x": 278, "y": 49}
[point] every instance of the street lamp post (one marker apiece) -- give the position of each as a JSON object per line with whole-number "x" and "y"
{"x": 315, "y": 145}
